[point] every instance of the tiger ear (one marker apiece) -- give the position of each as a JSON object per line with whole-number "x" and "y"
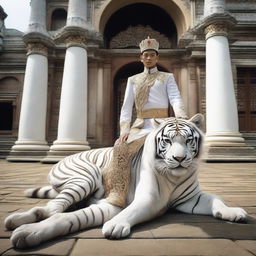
{"x": 197, "y": 119}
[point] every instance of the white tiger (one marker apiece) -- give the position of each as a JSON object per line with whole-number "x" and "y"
{"x": 164, "y": 174}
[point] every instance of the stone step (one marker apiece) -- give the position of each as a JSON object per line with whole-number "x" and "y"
{"x": 6, "y": 144}
{"x": 250, "y": 138}
{"x": 26, "y": 156}
{"x": 227, "y": 154}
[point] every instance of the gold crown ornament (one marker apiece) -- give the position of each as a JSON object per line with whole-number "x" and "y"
{"x": 149, "y": 44}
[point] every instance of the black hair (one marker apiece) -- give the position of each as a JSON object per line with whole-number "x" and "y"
{"x": 157, "y": 53}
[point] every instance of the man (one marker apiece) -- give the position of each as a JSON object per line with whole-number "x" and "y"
{"x": 151, "y": 91}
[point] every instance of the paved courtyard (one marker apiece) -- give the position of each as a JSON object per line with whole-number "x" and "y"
{"x": 172, "y": 234}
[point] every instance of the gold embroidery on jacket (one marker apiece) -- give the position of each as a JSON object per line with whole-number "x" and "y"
{"x": 124, "y": 127}
{"x": 143, "y": 82}
{"x": 116, "y": 175}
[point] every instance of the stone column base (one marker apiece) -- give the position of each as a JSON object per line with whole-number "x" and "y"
{"x": 59, "y": 150}
{"x": 224, "y": 139}
{"x": 229, "y": 154}
{"x": 28, "y": 151}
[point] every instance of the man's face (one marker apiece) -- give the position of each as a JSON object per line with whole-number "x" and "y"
{"x": 149, "y": 58}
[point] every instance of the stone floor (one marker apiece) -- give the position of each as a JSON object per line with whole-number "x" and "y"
{"x": 172, "y": 234}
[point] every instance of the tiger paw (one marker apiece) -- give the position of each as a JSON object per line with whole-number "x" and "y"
{"x": 234, "y": 214}
{"x": 116, "y": 230}
{"x": 28, "y": 235}
{"x": 17, "y": 219}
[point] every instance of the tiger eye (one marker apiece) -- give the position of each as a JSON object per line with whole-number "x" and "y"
{"x": 189, "y": 139}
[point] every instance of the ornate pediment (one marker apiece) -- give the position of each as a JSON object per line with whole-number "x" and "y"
{"x": 133, "y": 35}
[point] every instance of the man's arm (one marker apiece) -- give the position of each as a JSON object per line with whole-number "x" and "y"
{"x": 126, "y": 112}
{"x": 175, "y": 98}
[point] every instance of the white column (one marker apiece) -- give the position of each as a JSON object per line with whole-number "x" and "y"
{"x": 72, "y": 127}
{"x": 37, "y": 19}
{"x": 223, "y": 140}
{"x": 221, "y": 108}
{"x": 31, "y": 135}
{"x": 77, "y": 13}
{"x": 213, "y": 6}
{"x": 31, "y": 144}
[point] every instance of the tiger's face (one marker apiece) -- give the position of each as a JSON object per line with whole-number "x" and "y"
{"x": 177, "y": 145}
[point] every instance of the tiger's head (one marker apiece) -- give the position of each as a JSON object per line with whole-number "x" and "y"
{"x": 178, "y": 144}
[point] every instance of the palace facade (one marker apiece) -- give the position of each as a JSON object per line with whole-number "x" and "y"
{"x": 62, "y": 81}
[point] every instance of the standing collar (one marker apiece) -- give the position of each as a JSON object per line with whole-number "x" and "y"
{"x": 150, "y": 70}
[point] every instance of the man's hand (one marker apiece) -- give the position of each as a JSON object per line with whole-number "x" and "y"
{"x": 122, "y": 138}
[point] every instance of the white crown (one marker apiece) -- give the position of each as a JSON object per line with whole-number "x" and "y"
{"x": 149, "y": 44}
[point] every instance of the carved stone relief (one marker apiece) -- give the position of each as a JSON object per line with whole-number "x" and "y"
{"x": 75, "y": 41}
{"x": 133, "y": 35}
{"x": 37, "y": 48}
{"x": 216, "y": 30}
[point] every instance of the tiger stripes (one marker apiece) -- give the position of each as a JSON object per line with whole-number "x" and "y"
{"x": 163, "y": 175}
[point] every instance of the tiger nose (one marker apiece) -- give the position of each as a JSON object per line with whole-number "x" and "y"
{"x": 179, "y": 158}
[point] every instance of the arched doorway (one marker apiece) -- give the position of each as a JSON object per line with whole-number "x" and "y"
{"x": 120, "y": 81}
{"x": 127, "y": 27}
{"x": 58, "y": 19}
{"x": 179, "y": 11}
{"x": 124, "y": 24}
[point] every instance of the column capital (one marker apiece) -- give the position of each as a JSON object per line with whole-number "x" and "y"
{"x": 216, "y": 30}
{"x": 75, "y": 40}
{"x": 38, "y": 38}
{"x": 220, "y": 21}
{"x": 37, "y": 48}
{"x": 76, "y": 36}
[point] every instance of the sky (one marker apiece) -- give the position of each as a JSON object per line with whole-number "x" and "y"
{"x": 18, "y": 13}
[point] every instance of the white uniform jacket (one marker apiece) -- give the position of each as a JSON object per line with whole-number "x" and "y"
{"x": 162, "y": 91}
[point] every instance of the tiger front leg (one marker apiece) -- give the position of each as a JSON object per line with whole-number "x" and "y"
{"x": 35, "y": 214}
{"x": 222, "y": 211}
{"x": 137, "y": 212}
{"x": 147, "y": 204}
{"x": 30, "y": 235}
{"x": 209, "y": 204}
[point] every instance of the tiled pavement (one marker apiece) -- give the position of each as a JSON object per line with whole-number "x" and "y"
{"x": 172, "y": 234}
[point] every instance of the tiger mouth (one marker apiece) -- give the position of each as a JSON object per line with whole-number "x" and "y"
{"x": 179, "y": 171}
{"x": 178, "y": 168}
{"x": 164, "y": 168}
{"x": 181, "y": 165}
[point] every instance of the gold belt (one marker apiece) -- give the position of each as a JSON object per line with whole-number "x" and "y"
{"x": 153, "y": 113}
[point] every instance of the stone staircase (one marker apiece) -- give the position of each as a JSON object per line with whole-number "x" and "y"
{"x": 250, "y": 139}
{"x": 6, "y": 143}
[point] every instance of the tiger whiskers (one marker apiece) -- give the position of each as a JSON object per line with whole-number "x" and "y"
{"x": 161, "y": 167}
{"x": 164, "y": 169}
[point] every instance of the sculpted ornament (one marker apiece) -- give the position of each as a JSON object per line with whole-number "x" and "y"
{"x": 75, "y": 41}
{"x": 37, "y": 48}
{"x": 143, "y": 83}
{"x": 216, "y": 30}
{"x": 169, "y": 160}
{"x": 132, "y": 36}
